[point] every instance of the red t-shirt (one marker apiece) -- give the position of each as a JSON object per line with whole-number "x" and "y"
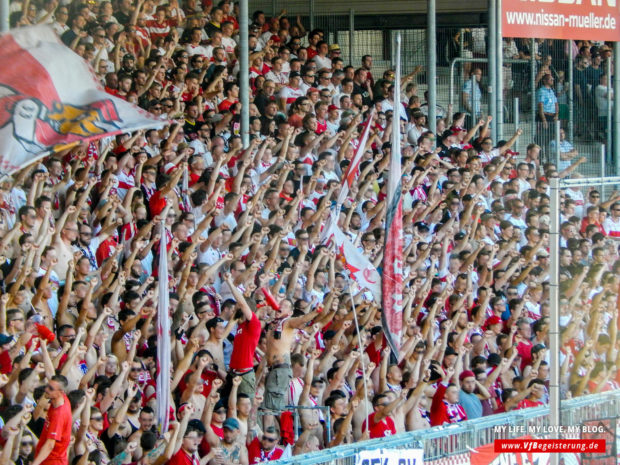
{"x": 183, "y": 458}
{"x": 58, "y": 427}
{"x": 157, "y": 203}
{"x": 226, "y": 104}
{"x": 245, "y": 343}
{"x": 374, "y": 354}
{"x": 207, "y": 382}
{"x": 6, "y": 364}
{"x": 384, "y": 428}
{"x": 256, "y": 454}
{"x": 524, "y": 348}
{"x": 526, "y": 403}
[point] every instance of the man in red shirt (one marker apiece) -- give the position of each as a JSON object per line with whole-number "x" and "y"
{"x": 231, "y": 90}
{"x": 537, "y": 392}
{"x": 188, "y": 453}
{"x": 445, "y": 407}
{"x": 266, "y": 449}
{"x": 56, "y": 435}
{"x": 381, "y": 424}
{"x": 244, "y": 345}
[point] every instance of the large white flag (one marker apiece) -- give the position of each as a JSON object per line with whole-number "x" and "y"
{"x": 50, "y": 98}
{"x": 163, "y": 337}
{"x": 357, "y": 264}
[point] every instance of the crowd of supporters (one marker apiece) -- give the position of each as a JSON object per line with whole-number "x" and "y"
{"x": 262, "y": 312}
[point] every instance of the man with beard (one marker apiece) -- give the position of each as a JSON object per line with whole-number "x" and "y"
{"x": 231, "y": 451}
{"x": 265, "y": 449}
{"x": 87, "y": 245}
{"x": 471, "y": 394}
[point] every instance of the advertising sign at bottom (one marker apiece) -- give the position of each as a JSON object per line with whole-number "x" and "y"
{"x": 390, "y": 457}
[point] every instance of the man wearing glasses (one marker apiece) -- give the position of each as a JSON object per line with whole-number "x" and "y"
{"x": 612, "y": 223}
{"x": 266, "y": 449}
{"x": 56, "y": 435}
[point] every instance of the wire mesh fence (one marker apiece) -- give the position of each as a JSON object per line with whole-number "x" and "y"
{"x": 534, "y": 72}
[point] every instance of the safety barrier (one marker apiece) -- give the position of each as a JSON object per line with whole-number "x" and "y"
{"x": 455, "y": 440}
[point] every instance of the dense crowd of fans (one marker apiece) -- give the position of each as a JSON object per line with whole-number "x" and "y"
{"x": 262, "y": 312}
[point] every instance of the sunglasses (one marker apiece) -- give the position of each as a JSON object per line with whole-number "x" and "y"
{"x": 268, "y": 439}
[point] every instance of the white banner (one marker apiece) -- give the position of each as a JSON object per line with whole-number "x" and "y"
{"x": 390, "y": 457}
{"x": 51, "y": 99}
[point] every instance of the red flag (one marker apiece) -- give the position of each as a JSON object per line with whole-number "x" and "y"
{"x": 392, "y": 315}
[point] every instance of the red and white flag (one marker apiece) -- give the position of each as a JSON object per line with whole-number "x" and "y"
{"x": 349, "y": 177}
{"x": 358, "y": 265}
{"x": 50, "y": 99}
{"x": 163, "y": 338}
{"x": 392, "y": 315}
{"x": 352, "y": 170}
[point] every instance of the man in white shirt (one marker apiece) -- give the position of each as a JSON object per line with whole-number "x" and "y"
{"x": 202, "y": 143}
{"x": 612, "y": 223}
{"x": 227, "y": 216}
{"x": 276, "y": 74}
{"x": 321, "y": 59}
{"x": 194, "y": 47}
{"x": 290, "y": 93}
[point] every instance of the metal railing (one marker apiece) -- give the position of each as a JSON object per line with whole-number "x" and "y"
{"x": 452, "y": 440}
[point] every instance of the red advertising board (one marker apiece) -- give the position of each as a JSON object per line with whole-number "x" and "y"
{"x": 562, "y": 19}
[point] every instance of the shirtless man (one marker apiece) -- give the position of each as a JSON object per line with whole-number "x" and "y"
{"x": 63, "y": 241}
{"x": 280, "y": 338}
{"x": 231, "y": 450}
{"x": 215, "y": 327}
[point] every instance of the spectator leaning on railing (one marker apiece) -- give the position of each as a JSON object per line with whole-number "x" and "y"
{"x": 262, "y": 312}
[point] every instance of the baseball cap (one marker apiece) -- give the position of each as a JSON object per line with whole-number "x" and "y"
{"x": 332, "y": 108}
{"x": 466, "y": 374}
{"x": 231, "y": 423}
{"x": 492, "y": 320}
{"x": 312, "y": 89}
{"x": 334, "y": 47}
{"x": 294, "y": 74}
{"x": 4, "y": 339}
{"x": 129, "y": 56}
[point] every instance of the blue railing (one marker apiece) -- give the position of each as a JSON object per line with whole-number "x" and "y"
{"x": 444, "y": 441}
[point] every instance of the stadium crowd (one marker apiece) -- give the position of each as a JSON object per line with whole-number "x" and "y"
{"x": 262, "y": 311}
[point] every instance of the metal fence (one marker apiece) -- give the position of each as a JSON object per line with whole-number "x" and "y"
{"x": 454, "y": 440}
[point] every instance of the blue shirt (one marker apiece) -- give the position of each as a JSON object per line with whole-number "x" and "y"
{"x": 471, "y": 404}
{"x": 475, "y": 102}
{"x": 547, "y": 97}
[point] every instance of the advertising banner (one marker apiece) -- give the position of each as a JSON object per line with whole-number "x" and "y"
{"x": 561, "y": 19}
{"x": 390, "y": 457}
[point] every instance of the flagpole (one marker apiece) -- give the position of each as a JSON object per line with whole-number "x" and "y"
{"x": 359, "y": 342}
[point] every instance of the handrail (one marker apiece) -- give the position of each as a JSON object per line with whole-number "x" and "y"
{"x": 419, "y": 438}
{"x": 472, "y": 60}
